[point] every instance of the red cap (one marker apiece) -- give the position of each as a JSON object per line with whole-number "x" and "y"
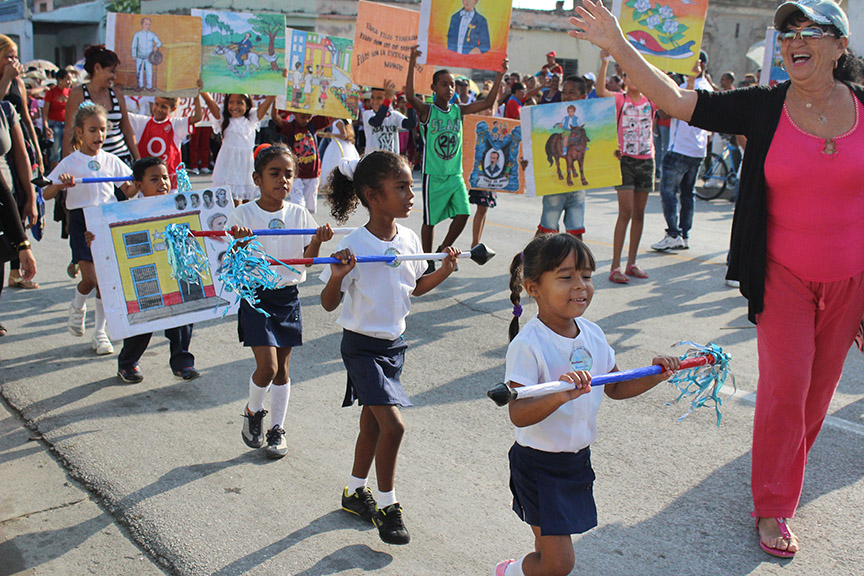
{"x": 552, "y": 54}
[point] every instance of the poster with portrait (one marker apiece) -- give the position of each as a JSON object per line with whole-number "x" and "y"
{"x": 319, "y": 75}
{"x": 464, "y": 33}
{"x": 492, "y": 148}
{"x": 570, "y": 146}
{"x": 383, "y": 39}
{"x": 139, "y": 291}
{"x": 242, "y": 52}
{"x": 668, "y": 33}
{"x": 773, "y": 72}
{"x": 160, "y": 54}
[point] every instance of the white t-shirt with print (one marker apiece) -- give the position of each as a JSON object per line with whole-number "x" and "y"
{"x": 290, "y": 216}
{"x": 80, "y": 165}
{"x": 537, "y": 355}
{"x": 386, "y": 136}
{"x": 377, "y": 296}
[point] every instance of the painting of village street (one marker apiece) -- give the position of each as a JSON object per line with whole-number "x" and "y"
{"x": 319, "y": 75}
{"x": 242, "y": 52}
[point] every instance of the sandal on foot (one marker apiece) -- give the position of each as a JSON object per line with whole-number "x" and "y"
{"x": 636, "y": 272}
{"x": 617, "y": 277}
{"x": 784, "y": 533}
{"x": 19, "y": 282}
{"x": 2, "y": 330}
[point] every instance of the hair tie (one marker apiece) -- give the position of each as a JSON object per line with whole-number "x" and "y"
{"x": 348, "y": 167}
{"x": 517, "y": 310}
{"x": 259, "y": 149}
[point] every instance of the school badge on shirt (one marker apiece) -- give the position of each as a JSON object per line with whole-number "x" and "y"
{"x": 94, "y": 165}
{"x": 580, "y": 358}
{"x": 392, "y": 252}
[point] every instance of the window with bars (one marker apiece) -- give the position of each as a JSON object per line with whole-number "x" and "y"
{"x": 137, "y": 244}
{"x": 146, "y": 283}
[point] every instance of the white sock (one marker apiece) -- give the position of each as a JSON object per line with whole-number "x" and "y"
{"x": 79, "y": 300}
{"x": 279, "y": 396}
{"x": 256, "y": 396}
{"x": 100, "y": 316}
{"x": 386, "y": 498}
{"x": 354, "y": 483}
{"x": 515, "y": 569}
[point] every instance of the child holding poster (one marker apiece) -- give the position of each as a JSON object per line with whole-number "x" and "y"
{"x": 444, "y": 192}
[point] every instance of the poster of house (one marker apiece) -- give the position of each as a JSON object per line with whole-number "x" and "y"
{"x": 464, "y": 33}
{"x": 772, "y": 72}
{"x": 492, "y": 148}
{"x": 570, "y": 146}
{"x": 139, "y": 291}
{"x": 668, "y": 33}
{"x": 319, "y": 75}
{"x": 160, "y": 54}
{"x": 383, "y": 38}
{"x": 242, "y": 52}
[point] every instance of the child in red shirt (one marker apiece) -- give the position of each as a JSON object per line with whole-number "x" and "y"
{"x": 299, "y": 135}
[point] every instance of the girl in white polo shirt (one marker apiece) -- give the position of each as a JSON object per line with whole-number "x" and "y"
{"x": 88, "y": 160}
{"x": 550, "y": 463}
{"x": 377, "y": 300}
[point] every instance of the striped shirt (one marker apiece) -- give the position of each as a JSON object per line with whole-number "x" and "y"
{"x": 114, "y": 141}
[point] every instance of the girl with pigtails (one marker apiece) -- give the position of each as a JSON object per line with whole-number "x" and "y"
{"x": 550, "y": 463}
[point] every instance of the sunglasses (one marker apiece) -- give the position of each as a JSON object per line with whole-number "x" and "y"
{"x": 807, "y": 34}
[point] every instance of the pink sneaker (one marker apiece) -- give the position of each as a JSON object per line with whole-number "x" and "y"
{"x": 501, "y": 568}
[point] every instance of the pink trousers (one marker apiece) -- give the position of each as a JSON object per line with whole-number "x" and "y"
{"x": 804, "y": 334}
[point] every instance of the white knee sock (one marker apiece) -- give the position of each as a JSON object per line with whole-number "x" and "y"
{"x": 100, "y": 316}
{"x": 354, "y": 483}
{"x": 386, "y": 498}
{"x": 515, "y": 569}
{"x": 256, "y": 396}
{"x": 279, "y": 396}
{"x": 79, "y": 300}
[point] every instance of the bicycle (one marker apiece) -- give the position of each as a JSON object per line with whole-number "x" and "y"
{"x": 718, "y": 173}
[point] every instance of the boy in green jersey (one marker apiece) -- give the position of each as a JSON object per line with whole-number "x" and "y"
{"x": 444, "y": 192}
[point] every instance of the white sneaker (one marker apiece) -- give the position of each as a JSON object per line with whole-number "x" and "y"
{"x": 669, "y": 243}
{"x": 733, "y": 283}
{"x": 101, "y": 344}
{"x": 75, "y": 323}
{"x": 685, "y": 244}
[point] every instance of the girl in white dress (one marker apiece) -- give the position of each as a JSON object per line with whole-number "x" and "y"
{"x": 342, "y": 147}
{"x": 238, "y": 122}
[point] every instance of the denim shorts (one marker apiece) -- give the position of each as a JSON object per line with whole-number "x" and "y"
{"x": 572, "y": 204}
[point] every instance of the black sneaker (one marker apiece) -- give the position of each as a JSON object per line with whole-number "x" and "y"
{"x": 277, "y": 447}
{"x": 391, "y": 528}
{"x": 187, "y": 374}
{"x": 430, "y": 267}
{"x": 252, "y": 434}
{"x": 130, "y": 375}
{"x": 361, "y": 503}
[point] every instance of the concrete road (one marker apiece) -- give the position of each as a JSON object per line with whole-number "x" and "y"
{"x": 165, "y": 462}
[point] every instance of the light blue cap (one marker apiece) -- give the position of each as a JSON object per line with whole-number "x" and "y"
{"x": 825, "y": 12}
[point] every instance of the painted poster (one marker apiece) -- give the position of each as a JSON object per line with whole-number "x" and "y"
{"x": 160, "y": 54}
{"x": 464, "y": 33}
{"x": 497, "y": 146}
{"x": 773, "y": 72}
{"x": 570, "y": 146}
{"x": 319, "y": 75}
{"x": 382, "y": 45}
{"x": 667, "y": 32}
{"x": 138, "y": 291}
{"x": 242, "y": 52}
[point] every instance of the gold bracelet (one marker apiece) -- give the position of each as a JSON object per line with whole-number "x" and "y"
{"x": 23, "y": 245}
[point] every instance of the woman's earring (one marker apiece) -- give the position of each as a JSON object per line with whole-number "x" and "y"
{"x": 836, "y": 63}
{"x": 783, "y": 65}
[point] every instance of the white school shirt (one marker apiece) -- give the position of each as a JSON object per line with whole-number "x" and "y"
{"x": 250, "y": 215}
{"x": 79, "y": 165}
{"x": 685, "y": 139}
{"x": 386, "y": 136}
{"x": 537, "y": 355}
{"x": 377, "y": 296}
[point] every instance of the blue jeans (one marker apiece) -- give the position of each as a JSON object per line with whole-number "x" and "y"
{"x": 661, "y": 143}
{"x": 679, "y": 176}
{"x": 572, "y": 204}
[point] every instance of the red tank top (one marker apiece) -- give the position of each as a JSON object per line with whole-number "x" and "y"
{"x": 158, "y": 140}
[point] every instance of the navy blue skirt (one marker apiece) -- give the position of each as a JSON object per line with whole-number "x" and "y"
{"x": 77, "y": 228}
{"x": 284, "y": 327}
{"x": 374, "y": 367}
{"x": 554, "y": 491}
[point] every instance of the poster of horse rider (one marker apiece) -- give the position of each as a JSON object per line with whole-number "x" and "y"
{"x": 497, "y": 147}
{"x": 160, "y": 54}
{"x": 242, "y": 52}
{"x": 570, "y": 146}
{"x": 464, "y": 33}
{"x": 668, "y": 34}
{"x": 319, "y": 75}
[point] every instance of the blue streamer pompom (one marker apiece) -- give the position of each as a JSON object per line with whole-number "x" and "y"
{"x": 701, "y": 385}
{"x": 186, "y": 256}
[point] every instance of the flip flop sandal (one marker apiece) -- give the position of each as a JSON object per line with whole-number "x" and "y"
{"x": 636, "y": 272}
{"x": 784, "y": 533}
{"x": 19, "y": 282}
{"x": 2, "y": 330}
{"x": 617, "y": 277}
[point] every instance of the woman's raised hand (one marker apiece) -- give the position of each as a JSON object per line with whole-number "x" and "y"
{"x": 597, "y": 25}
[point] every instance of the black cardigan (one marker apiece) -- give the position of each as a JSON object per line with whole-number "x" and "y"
{"x": 755, "y": 113}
